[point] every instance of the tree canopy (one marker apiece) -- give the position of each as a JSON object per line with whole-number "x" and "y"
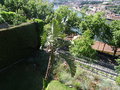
{"x": 29, "y": 8}
{"x": 115, "y": 39}
{"x": 82, "y": 46}
{"x": 97, "y": 24}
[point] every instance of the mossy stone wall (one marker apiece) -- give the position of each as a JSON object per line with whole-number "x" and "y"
{"x": 18, "y": 42}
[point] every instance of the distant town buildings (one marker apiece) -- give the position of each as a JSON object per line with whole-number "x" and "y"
{"x": 113, "y": 16}
{"x": 94, "y": 8}
{"x": 95, "y": 0}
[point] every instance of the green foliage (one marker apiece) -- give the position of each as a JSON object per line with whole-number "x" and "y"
{"x": 115, "y": 25}
{"x": 55, "y": 31}
{"x": 118, "y": 80}
{"x": 37, "y": 20}
{"x": 43, "y": 39}
{"x": 38, "y": 9}
{"x": 30, "y": 8}
{"x": 82, "y": 46}
{"x": 97, "y": 24}
{"x": 115, "y": 36}
{"x": 1, "y": 19}
{"x": 56, "y": 85}
{"x": 14, "y": 5}
{"x": 12, "y": 18}
{"x": 68, "y": 18}
{"x": 44, "y": 9}
{"x": 63, "y": 43}
{"x": 70, "y": 62}
{"x": 62, "y": 73}
{"x": 117, "y": 68}
{"x": 83, "y": 79}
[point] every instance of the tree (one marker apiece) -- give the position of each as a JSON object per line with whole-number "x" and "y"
{"x": 30, "y": 8}
{"x": 115, "y": 40}
{"x": 55, "y": 33}
{"x": 14, "y": 5}
{"x": 68, "y": 18}
{"x": 97, "y": 24}
{"x": 83, "y": 46}
{"x": 38, "y": 9}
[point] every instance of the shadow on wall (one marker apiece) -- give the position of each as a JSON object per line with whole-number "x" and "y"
{"x": 18, "y": 42}
{"x": 26, "y": 75}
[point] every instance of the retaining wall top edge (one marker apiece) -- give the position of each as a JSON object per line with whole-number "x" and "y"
{"x": 23, "y": 24}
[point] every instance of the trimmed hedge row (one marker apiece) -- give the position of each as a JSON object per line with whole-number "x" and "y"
{"x": 19, "y": 42}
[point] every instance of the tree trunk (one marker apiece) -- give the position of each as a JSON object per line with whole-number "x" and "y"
{"x": 49, "y": 67}
{"x": 115, "y": 51}
{"x": 104, "y": 47}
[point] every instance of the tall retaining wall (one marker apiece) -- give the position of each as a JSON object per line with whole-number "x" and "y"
{"x": 18, "y": 42}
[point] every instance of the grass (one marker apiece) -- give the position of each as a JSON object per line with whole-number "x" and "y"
{"x": 24, "y": 76}
{"x": 83, "y": 79}
{"x": 56, "y": 85}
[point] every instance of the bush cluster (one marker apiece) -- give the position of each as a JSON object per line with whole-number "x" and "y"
{"x": 11, "y": 18}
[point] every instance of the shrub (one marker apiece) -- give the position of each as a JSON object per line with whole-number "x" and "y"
{"x": 12, "y": 18}
{"x": 1, "y": 19}
{"x": 82, "y": 46}
{"x": 83, "y": 80}
{"x": 118, "y": 80}
{"x": 117, "y": 68}
{"x": 30, "y": 8}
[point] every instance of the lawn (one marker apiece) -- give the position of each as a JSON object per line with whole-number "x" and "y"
{"x": 56, "y": 85}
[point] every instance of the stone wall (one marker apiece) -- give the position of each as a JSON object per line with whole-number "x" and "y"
{"x": 18, "y": 42}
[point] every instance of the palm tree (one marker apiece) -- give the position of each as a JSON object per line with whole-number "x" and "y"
{"x": 55, "y": 33}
